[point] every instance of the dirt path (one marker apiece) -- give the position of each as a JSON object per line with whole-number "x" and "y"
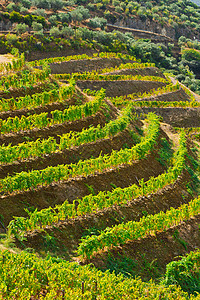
{"x": 5, "y": 58}
{"x": 173, "y": 136}
{"x": 174, "y": 81}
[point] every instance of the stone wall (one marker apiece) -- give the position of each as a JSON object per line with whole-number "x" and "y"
{"x": 155, "y": 27}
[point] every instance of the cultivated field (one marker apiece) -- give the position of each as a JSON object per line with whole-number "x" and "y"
{"x": 99, "y": 164}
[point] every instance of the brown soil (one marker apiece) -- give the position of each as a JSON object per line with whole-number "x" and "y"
{"x": 68, "y": 156}
{"x": 40, "y": 109}
{"x": 179, "y": 95}
{"x": 175, "y": 116}
{"x": 85, "y": 65}
{"x": 153, "y": 253}
{"x": 74, "y": 188}
{"x": 150, "y": 71}
{"x": 197, "y": 96}
{"x": 120, "y": 87}
{"x": 21, "y": 92}
{"x": 54, "y": 130}
{"x": 68, "y": 233}
{"x": 168, "y": 129}
{"x": 36, "y": 55}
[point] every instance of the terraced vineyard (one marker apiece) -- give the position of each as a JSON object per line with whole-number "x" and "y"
{"x": 99, "y": 164}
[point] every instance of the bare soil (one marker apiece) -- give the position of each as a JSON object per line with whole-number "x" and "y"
{"x": 85, "y": 65}
{"x": 36, "y": 55}
{"x": 5, "y": 58}
{"x": 179, "y": 95}
{"x": 175, "y": 116}
{"x": 21, "y": 92}
{"x": 150, "y": 71}
{"x": 120, "y": 87}
{"x": 57, "y": 193}
{"x": 68, "y": 233}
{"x": 54, "y": 130}
{"x": 153, "y": 253}
{"x": 68, "y": 156}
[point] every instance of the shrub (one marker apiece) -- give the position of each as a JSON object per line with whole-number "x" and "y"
{"x": 116, "y": 2}
{"x": 23, "y": 10}
{"x": 118, "y": 9}
{"x": 55, "y": 31}
{"x": 37, "y": 26}
{"x": 42, "y": 4}
{"x": 11, "y": 6}
{"x": 21, "y": 28}
{"x": 56, "y": 4}
{"x": 65, "y": 17}
{"x": 15, "y": 17}
{"x": 26, "y": 3}
{"x": 11, "y": 38}
{"x": 53, "y": 20}
{"x": 67, "y": 31}
{"x": 40, "y": 12}
{"x": 97, "y": 22}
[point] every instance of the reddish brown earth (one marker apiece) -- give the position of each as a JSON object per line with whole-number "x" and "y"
{"x": 175, "y": 116}
{"x": 179, "y": 95}
{"x": 120, "y": 87}
{"x": 85, "y": 65}
{"x": 57, "y": 193}
{"x": 68, "y": 156}
{"x": 153, "y": 253}
{"x": 21, "y": 92}
{"x": 150, "y": 71}
{"x": 68, "y": 233}
{"x": 54, "y": 130}
{"x": 76, "y": 99}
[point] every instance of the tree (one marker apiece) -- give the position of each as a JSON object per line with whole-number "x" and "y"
{"x": 97, "y": 22}
{"x": 67, "y": 31}
{"x": 15, "y": 17}
{"x": 84, "y": 11}
{"x": 21, "y": 28}
{"x": 26, "y": 3}
{"x": 11, "y": 38}
{"x": 55, "y": 31}
{"x": 40, "y": 12}
{"x": 56, "y": 4}
{"x": 37, "y": 26}
{"x": 42, "y": 4}
{"x": 11, "y": 6}
{"x": 53, "y": 20}
{"x": 76, "y": 17}
{"x": 64, "y": 17}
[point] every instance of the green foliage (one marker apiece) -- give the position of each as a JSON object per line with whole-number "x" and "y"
{"x": 57, "y": 117}
{"x": 185, "y": 273}
{"x": 21, "y": 28}
{"x": 120, "y": 234}
{"x": 190, "y": 54}
{"x": 55, "y": 31}
{"x": 97, "y": 22}
{"x": 165, "y": 152}
{"x": 121, "y": 265}
{"x": 91, "y": 203}
{"x": 24, "y": 275}
{"x": 37, "y": 26}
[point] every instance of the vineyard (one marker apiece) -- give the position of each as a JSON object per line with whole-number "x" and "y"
{"x": 99, "y": 180}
